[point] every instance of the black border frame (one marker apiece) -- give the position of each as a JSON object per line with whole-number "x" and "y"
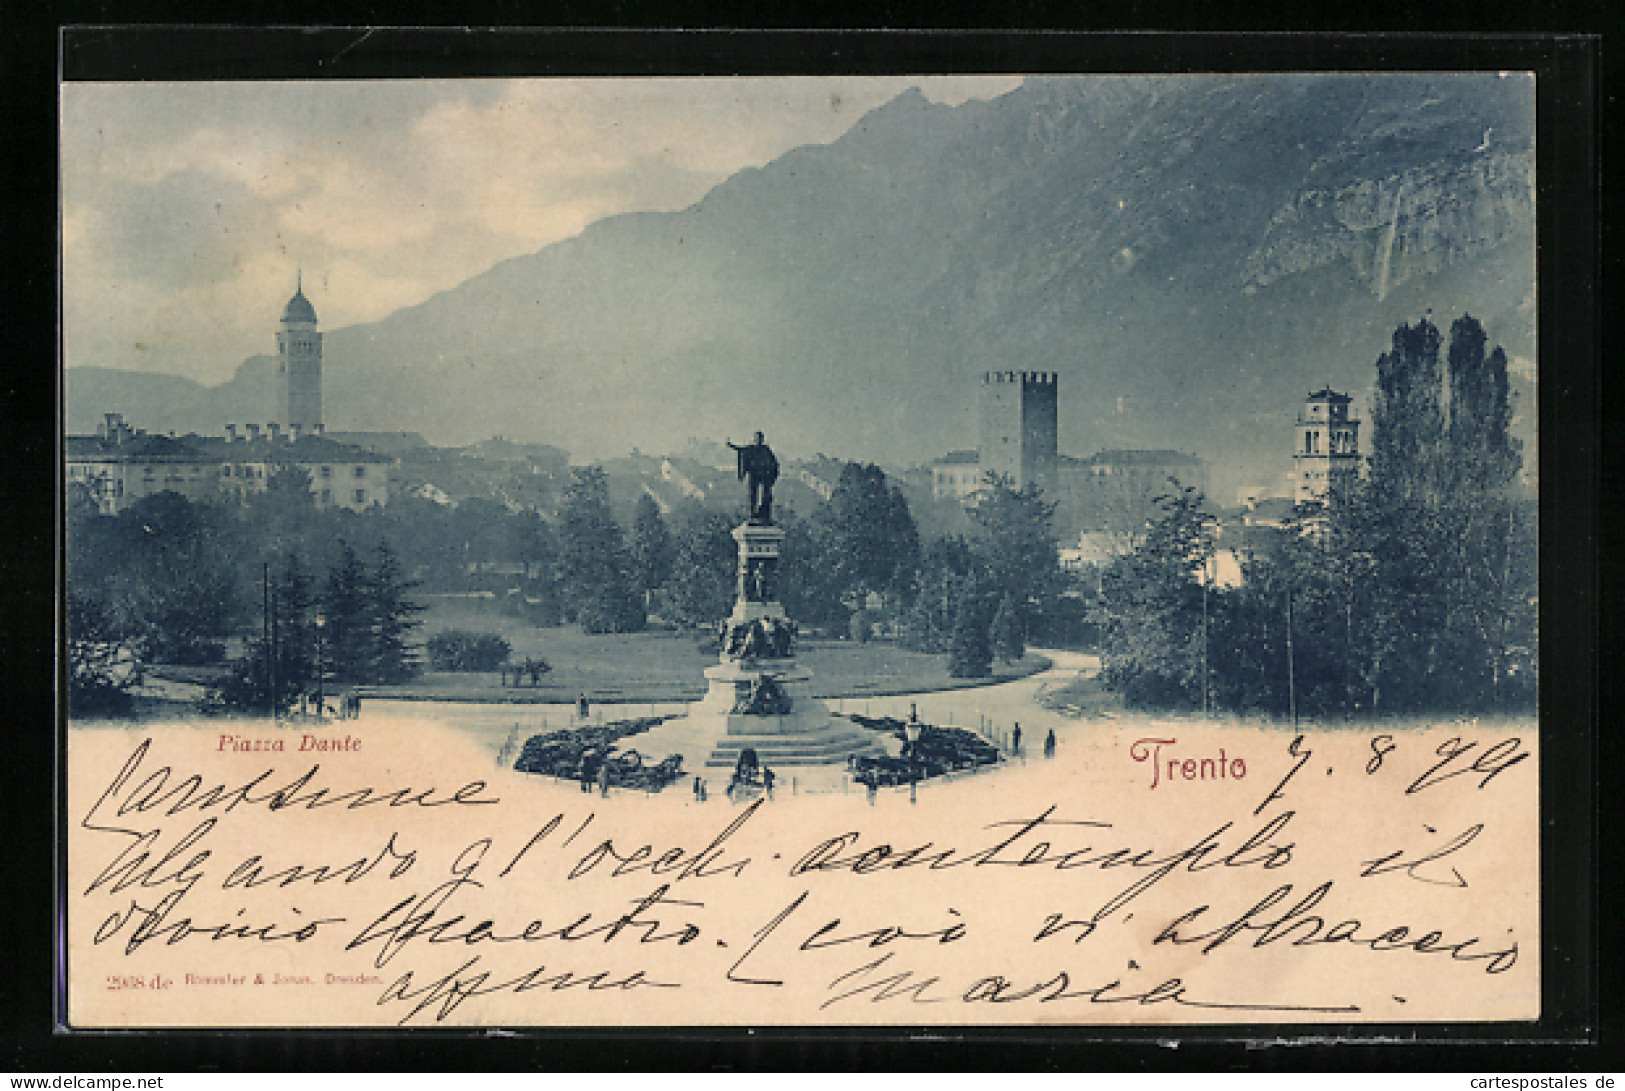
{"x": 1569, "y": 108}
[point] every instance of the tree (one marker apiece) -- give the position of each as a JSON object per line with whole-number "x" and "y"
{"x": 1412, "y": 591}
{"x": 166, "y": 579}
{"x": 653, "y": 552}
{"x": 703, "y": 573}
{"x": 949, "y": 571}
{"x": 1152, "y": 606}
{"x": 970, "y": 652}
{"x": 345, "y": 644}
{"x": 461, "y": 650}
{"x": 1008, "y": 644}
{"x": 392, "y": 617}
{"x": 1016, "y": 546}
{"x": 282, "y": 659}
{"x": 871, "y": 541}
{"x": 284, "y": 510}
{"x": 595, "y": 565}
{"x": 1438, "y": 522}
{"x": 807, "y": 584}
{"x": 99, "y": 661}
{"x": 532, "y": 544}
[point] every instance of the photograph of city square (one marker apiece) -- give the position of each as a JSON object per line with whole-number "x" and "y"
{"x": 721, "y": 449}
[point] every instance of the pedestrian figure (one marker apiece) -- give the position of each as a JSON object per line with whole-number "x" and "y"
{"x": 767, "y": 782}
{"x": 603, "y": 779}
{"x": 1049, "y": 744}
{"x": 696, "y": 789}
{"x": 581, "y": 707}
{"x": 872, "y": 786}
{"x": 1015, "y": 739}
{"x": 913, "y": 714}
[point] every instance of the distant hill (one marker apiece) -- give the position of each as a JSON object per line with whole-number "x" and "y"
{"x": 1191, "y": 254}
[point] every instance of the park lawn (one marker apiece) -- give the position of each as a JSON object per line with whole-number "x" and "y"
{"x": 660, "y": 665}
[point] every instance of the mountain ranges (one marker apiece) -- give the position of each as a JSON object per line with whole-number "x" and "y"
{"x": 1191, "y": 254}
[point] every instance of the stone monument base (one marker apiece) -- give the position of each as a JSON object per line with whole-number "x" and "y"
{"x": 808, "y": 734}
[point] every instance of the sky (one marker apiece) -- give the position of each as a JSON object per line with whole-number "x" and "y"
{"x": 189, "y": 208}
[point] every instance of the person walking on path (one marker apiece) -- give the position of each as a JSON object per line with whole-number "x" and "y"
{"x": 1015, "y": 739}
{"x": 1049, "y": 744}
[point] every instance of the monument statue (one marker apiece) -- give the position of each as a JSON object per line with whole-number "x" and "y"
{"x": 759, "y": 469}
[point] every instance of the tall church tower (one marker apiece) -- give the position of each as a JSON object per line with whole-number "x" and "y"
{"x": 1328, "y": 444}
{"x": 1018, "y": 426}
{"x": 299, "y": 366}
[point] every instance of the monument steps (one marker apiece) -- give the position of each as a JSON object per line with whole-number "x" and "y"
{"x": 808, "y": 749}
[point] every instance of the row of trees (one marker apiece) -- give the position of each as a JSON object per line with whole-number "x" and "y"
{"x": 356, "y": 628}
{"x": 170, "y": 580}
{"x": 1412, "y": 590}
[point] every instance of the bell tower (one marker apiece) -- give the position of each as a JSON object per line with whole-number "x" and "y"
{"x": 299, "y": 365}
{"x": 1328, "y": 445}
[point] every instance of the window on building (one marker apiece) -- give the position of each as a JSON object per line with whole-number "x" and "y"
{"x": 361, "y": 496}
{"x": 327, "y": 471}
{"x": 327, "y": 496}
{"x": 361, "y": 471}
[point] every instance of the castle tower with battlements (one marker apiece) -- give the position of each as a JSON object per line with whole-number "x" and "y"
{"x": 1019, "y": 428}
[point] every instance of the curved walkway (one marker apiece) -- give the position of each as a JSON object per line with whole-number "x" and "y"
{"x": 992, "y": 710}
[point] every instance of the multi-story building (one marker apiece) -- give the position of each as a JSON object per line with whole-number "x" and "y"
{"x": 957, "y": 475}
{"x": 120, "y": 465}
{"x": 341, "y": 475}
{"x": 1117, "y": 491}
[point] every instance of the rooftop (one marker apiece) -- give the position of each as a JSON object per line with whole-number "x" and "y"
{"x": 958, "y": 458}
{"x": 1143, "y": 458}
{"x": 1327, "y": 394}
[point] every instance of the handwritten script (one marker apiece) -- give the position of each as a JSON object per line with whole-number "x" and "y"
{"x": 1341, "y": 877}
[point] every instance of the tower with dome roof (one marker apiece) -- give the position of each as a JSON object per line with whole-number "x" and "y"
{"x": 299, "y": 365}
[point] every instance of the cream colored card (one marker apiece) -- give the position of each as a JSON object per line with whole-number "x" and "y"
{"x": 1090, "y": 285}
{"x": 1373, "y": 877}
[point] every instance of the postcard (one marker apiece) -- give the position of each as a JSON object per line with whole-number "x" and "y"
{"x": 850, "y": 551}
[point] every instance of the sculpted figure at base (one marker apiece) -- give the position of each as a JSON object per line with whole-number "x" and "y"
{"x": 759, "y": 469}
{"x": 762, "y": 638}
{"x": 765, "y": 697}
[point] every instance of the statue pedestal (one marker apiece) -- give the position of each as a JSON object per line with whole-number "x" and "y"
{"x": 744, "y": 706}
{"x": 808, "y": 734}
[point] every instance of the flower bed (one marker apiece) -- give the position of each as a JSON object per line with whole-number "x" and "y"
{"x": 585, "y": 754}
{"x": 939, "y": 750}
